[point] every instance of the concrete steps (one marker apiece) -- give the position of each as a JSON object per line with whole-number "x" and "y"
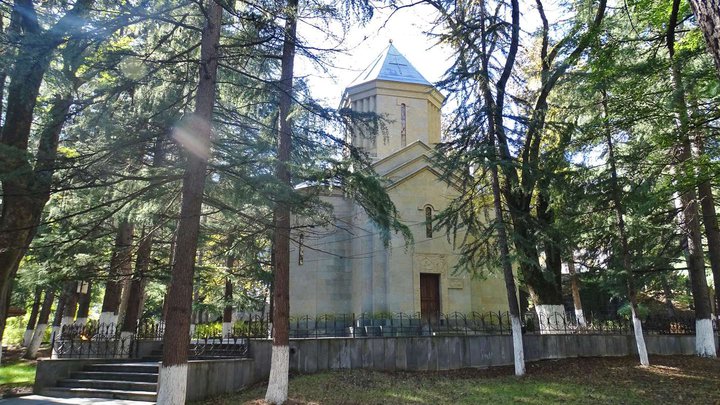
{"x": 62, "y": 392}
{"x": 135, "y": 381}
{"x": 109, "y": 384}
{"x": 101, "y": 375}
{"x": 137, "y": 368}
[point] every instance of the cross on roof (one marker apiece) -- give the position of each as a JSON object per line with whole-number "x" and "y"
{"x": 393, "y": 66}
{"x": 398, "y": 63}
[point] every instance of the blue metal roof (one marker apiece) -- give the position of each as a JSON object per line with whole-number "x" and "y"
{"x": 392, "y": 66}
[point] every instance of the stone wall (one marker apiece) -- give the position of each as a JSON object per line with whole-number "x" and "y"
{"x": 447, "y": 353}
{"x": 207, "y": 378}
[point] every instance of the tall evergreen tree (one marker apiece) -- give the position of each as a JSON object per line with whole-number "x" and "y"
{"x": 196, "y": 137}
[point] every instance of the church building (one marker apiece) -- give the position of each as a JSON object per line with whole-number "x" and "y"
{"x": 345, "y": 268}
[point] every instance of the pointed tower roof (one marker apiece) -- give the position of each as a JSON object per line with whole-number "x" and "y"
{"x": 392, "y": 66}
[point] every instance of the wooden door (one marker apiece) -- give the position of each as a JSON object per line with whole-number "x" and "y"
{"x": 430, "y": 297}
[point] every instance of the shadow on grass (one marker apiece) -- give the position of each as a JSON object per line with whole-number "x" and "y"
{"x": 680, "y": 379}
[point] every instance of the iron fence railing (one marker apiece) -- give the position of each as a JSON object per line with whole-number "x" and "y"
{"x": 479, "y": 323}
{"x": 216, "y": 340}
{"x": 92, "y": 340}
{"x": 256, "y": 327}
{"x": 452, "y": 324}
{"x": 212, "y": 348}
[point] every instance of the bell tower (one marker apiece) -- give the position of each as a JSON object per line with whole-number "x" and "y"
{"x": 409, "y": 104}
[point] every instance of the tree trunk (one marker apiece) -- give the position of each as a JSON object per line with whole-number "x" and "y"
{"x": 690, "y": 221}
{"x": 142, "y": 264}
{"x": 23, "y": 195}
{"x": 228, "y": 311}
{"x": 172, "y": 380}
{"x": 710, "y": 222}
{"x": 33, "y": 317}
{"x": 669, "y": 307}
{"x": 544, "y": 291}
{"x": 59, "y": 311}
{"x": 575, "y": 287}
{"x": 42, "y": 324}
{"x": 84, "y": 301}
{"x": 5, "y": 296}
{"x": 120, "y": 268}
{"x": 71, "y": 303}
{"x": 707, "y": 13}
{"x": 125, "y": 282}
{"x": 277, "y": 390}
{"x": 510, "y": 288}
{"x": 624, "y": 246}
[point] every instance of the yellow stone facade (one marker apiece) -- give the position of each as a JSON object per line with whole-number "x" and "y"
{"x": 344, "y": 267}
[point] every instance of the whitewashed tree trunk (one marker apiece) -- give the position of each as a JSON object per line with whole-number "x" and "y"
{"x": 27, "y": 337}
{"x": 41, "y": 327}
{"x": 279, "y": 373}
{"x": 34, "y": 313}
{"x": 36, "y": 341}
{"x": 624, "y": 245}
{"x": 704, "y": 338}
{"x": 688, "y": 216}
{"x": 580, "y": 316}
{"x": 277, "y": 391}
{"x": 81, "y": 321}
{"x": 172, "y": 385}
{"x": 551, "y": 318}
{"x": 226, "y": 329}
{"x": 639, "y": 339}
{"x": 172, "y": 381}
{"x": 107, "y": 318}
{"x": 518, "y": 351}
{"x": 66, "y": 320}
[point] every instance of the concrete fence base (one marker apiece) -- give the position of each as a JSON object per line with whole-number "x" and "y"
{"x": 207, "y": 378}
{"x": 448, "y": 353}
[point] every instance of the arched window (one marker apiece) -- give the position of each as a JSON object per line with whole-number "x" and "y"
{"x": 428, "y": 222}
{"x": 403, "y": 125}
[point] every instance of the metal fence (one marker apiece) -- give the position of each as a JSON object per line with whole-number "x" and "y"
{"x": 452, "y": 324}
{"x": 477, "y": 323}
{"x": 212, "y": 340}
{"x": 92, "y": 340}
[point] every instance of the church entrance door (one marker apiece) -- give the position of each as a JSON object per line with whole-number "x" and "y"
{"x": 430, "y": 297}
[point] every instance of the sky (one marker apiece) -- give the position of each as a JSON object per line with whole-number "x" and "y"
{"x": 406, "y": 28}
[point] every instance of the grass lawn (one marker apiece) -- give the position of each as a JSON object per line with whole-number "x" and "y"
{"x": 16, "y": 377}
{"x": 678, "y": 379}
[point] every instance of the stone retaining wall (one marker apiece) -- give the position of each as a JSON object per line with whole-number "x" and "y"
{"x": 207, "y": 378}
{"x": 447, "y": 353}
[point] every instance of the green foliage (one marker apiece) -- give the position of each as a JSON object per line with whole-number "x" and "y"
{"x": 14, "y": 331}
{"x": 133, "y": 78}
{"x": 626, "y": 312}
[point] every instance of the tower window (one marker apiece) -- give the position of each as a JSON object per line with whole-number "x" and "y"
{"x": 428, "y": 222}
{"x": 403, "y": 124}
